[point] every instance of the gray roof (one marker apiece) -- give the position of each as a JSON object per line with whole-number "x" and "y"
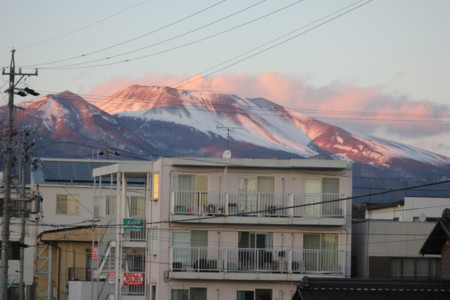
{"x": 371, "y": 289}
{"x": 438, "y": 236}
{"x": 76, "y": 172}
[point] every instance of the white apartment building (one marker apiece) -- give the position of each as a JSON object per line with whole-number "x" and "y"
{"x": 67, "y": 190}
{"x": 204, "y": 228}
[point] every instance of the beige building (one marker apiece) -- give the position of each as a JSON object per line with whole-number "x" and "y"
{"x": 64, "y": 255}
{"x": 199, "y": 228}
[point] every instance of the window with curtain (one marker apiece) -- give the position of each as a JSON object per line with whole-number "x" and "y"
{"x": 330, "y": 192}
{"x": 189, "y": 247}
{"x": 191, "y": 193}
{"x": 321, "y": 191}
{"x": 67, "y": 204}
{"x": 136, "y": 206}
{"x": 256, "y": 193}
{"x": 320, "y": 252}
{"x": 110, "y": 205}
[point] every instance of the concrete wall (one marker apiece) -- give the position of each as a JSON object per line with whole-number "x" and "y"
{"x": 388, "y": 239}
{"x": 412, "y": 209}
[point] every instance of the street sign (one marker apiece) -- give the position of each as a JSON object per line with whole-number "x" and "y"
{"x": 133, "y": 278}
{"x": 94, "y": 254}
{"x": 111, "y": 278}
{"x": 133, "y": 224}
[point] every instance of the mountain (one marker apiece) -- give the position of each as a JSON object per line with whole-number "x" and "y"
{"x": 66, "y": 125}
{"x": 143, "y": 122}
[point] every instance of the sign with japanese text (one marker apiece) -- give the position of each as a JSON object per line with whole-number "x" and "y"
{"x": 94, "y": 254}
{"x": 133, "y": 278}
{"x": 111, "y": 278}
{"x": 133, "y": 224}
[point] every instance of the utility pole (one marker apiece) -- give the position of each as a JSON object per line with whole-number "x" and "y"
{"x": 23, "y": 210}
{"x": 8, "y": 167}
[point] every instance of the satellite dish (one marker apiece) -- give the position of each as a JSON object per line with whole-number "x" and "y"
{"x": 422, "y": 217}
{"x": 226, "y": 154}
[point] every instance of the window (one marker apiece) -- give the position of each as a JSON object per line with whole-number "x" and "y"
{"x": 403, "y": 267}
{"x": 188, "y": 294}
{"x": 255, "y": 251}
{"x": 179, "y": 294}
{"x": 319, "y": 190}
{"x": 321, "y": 252}
{"x": 257, "y": 294}
{"x": 191, "y": 194}
{"x": 135, "y": 263}
{"x": 260, "y": 240}
{"x": 155, "y": 186}
{"x": 67, "y": 204}
{"x": 110, "y": 205}
{"x": 136, "y": 206}
{"x": 256, "y": 193}
{"x": 190, "y": 249}
{"x": 154, "y": 240}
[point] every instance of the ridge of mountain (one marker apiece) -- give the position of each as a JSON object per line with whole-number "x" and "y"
{"x": 145, "y": 122}
{"x": 259, "y": 121}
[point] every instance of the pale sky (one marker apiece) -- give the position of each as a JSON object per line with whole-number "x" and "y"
{"x": 381, "y": 66}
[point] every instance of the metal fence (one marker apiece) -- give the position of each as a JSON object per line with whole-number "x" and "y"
{"x": 197, "y": 259}
{"x": 210, "y": 203}
{"x": 80, "y": 274}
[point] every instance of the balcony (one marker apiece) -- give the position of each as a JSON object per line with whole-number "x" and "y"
{"x": 258, "y": 208}
{"x": 80, "y": 274}
{"x": 254, "y": 264}
{"x": 135, "y": 236}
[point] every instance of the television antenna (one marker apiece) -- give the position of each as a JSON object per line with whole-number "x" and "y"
{"x": 228, "y": 129}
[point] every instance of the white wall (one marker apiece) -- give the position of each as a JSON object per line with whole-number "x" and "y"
{"x": 413, "y": 207}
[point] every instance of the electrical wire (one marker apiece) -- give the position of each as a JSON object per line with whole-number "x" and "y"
{"x": 83, "y": 27}
{"x": 135, "y": 38}
{"x": 73, "y": 66}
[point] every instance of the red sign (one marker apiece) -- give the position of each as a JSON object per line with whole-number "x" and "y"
{"x": 111, "y": 278}
{"x": 94, "y": 254}
{"x": 132, "y": 278}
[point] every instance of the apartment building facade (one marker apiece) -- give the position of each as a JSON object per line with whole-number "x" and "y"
{"x": 202, "y": 228}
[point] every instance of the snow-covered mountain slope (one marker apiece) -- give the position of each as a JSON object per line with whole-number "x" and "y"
{"x": 67, "y": 125}
{"x": 259, "y": 122}
{"x": 142, "y": 122}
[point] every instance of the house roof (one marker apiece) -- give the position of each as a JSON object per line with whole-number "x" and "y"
{"x": 438, "y": 236}
{"x": 72, "y": 234}
{"x": 385, "y": 205}
{"x": 370, "y": 289}
{"x": 68, "y": 171}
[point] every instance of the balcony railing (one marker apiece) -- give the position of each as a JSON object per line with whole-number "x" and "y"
{"x": 80, "y": 274}
{"x": 135, "y": 234}
{"x": 133, "y": 289}
{"x": 308, "y": 261}
{"x": 257, "y": 204}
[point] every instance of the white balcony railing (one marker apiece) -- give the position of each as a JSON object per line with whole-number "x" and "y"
{"x": 306, "y": 261}
{"x": 257, "y": 204}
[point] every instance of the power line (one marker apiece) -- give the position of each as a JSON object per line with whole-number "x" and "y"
{"x": 73, "y": 66}
{"x": 282, "y": 42}
{"x": 135, "y": 38}
{"x": 83, "y": 27}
